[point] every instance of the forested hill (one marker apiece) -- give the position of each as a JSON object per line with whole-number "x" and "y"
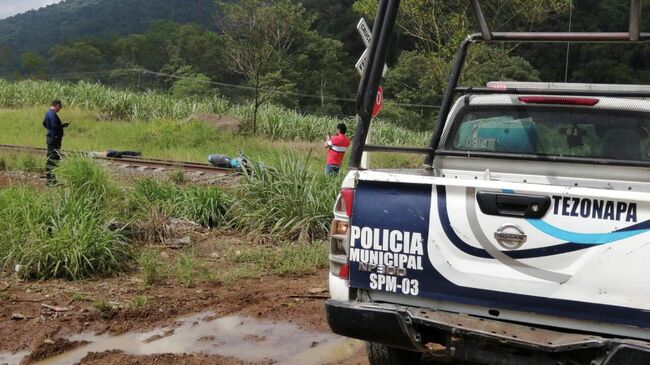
{"x": 38, "y": 30}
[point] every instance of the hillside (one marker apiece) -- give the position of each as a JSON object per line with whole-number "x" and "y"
{"x": 38, "y": 30}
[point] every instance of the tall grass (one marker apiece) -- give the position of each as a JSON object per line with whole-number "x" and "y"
{"x": 117, "y": 104}
{"x": 58, "y": 235}
{"x": 204, "y": 205}
{"x": 289, "y": 202}
{"x": 274, "y": 122}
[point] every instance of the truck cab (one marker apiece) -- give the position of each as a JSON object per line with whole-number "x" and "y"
{"x": 525, "y": 238}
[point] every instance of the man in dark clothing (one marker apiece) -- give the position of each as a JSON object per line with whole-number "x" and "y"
{"x": 53, "y": 138}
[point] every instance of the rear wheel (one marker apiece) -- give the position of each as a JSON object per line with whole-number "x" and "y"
{"x": 379, "y": 354}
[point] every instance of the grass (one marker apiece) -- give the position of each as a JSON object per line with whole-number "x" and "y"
{"x": 274, "y": 123}
{"x": 139, "y": 301}
{"x": 162, "y": 138}
{"x": 102, "y": 305}
{"x": 78, "y": 297}
{"x": 288, "y": 202}
{"x": 204, "y": 205}
{"x": 69, "y": 231}
{"x": 285, "y": 259}
{"x": 177, "y": 177}
{"x": 58, "y": 235}
{"x": 187, "y": 269}
{"x": 151, "y": 266}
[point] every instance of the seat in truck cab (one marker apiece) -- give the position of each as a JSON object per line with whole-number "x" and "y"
{"x": 622, "y": 144}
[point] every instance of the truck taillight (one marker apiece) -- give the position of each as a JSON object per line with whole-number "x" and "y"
{"x": 340, "y": 234}
{"x": 347, "y": 200}
{"x": 344, "y": 272}
{"x": 564, "y": 100}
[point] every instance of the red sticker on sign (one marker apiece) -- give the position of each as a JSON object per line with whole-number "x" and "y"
{"x": 379, "y": 101}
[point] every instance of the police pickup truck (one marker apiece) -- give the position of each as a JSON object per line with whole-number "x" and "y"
{"x": 524, "y": 240}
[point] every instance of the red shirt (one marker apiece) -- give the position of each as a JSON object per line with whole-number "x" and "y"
{"x": 337, "y": 146}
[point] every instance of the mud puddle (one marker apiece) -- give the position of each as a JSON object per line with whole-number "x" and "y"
{"x": 11, "y": 359}
{"x": 242, "y": 338}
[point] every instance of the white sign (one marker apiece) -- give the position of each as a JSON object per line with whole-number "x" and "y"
{"x": 366, "y": 37}
{"x": 364, "y": 30}
{"x": 363, "y": 62}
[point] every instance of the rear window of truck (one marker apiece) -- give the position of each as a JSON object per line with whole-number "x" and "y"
{"x": 592, "y": 133}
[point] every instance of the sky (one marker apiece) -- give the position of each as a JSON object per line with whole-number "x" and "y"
{"x": 13, "y": 7}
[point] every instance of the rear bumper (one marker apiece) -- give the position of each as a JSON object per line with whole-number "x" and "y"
{"x": 458, "y": 336}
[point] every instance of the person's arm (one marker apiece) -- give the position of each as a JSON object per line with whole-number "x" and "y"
{"x": 55, "y": 122}
{"x": 328, "y": 143}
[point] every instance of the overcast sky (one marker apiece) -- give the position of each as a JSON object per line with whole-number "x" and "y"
{"x": 13, "y": 7}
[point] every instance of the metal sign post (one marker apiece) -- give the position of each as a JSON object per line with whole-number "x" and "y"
{"x": 366, "y": 36}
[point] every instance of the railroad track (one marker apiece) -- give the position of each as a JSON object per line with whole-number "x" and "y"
{"x": 138, "y": 162}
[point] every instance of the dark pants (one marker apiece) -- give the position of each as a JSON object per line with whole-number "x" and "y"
{"x": 332, "y": 170}
{"x": 53, "y": 157}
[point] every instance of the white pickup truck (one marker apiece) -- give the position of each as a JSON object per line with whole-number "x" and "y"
{"x": 525, "y": 241}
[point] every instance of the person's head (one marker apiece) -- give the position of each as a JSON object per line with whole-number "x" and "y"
{"x": 341, "y": 128}
{"x": 56, "y": 105}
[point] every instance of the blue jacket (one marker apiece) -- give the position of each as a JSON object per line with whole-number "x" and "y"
{"x": 53, "y": 124}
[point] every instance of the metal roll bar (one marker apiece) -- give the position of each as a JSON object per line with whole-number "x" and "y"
{"x": 383, "y": 27}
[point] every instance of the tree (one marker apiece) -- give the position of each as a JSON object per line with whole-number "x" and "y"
{"x": 76, "y": 57}
{"x": 33, "y": 64}
{"x": 259, "y": 36}
{"x": 191, "y": 84}
{"x": 431, "y": 30}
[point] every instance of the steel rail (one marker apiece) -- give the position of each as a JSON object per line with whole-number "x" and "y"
{"x": 134, "y": 161}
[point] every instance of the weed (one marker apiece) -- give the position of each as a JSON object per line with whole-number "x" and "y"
{"x": 152, "y": 226}
{"x": 177, "y": 177}
{"x": 61, "y": 234}
{"x": 204, "y": 205}
{"x": 151, "y": 267}
{"x": 84, "y": 176}
{"x": 286, "y": 259}
{"x": 186, "y": 268}
{"x": 78, "y": 297}
{"x": 140, "y": 301}
{"x": 102, "y": 305}
{"x": 289, "y": 202}
{"x": 29, "y": 164}
{"x": 3, "y": 164}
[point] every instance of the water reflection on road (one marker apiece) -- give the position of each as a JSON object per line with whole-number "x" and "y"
{"x": 242, "y": 338}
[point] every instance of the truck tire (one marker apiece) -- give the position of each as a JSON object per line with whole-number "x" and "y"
{"x": 379, "y": 354}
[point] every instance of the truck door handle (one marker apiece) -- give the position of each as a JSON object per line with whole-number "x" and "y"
{"x": 513, "y": 205}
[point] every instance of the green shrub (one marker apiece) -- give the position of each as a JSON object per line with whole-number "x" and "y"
{"x": 83, "y": 176}
{"x": 151, "y": 267}
{"x": 65, "y": 232}
{"x": 289, "y": 202}
{"x": 59, "y": 235}
{"x": 187, "y": 268}
{"x": 204, "y": 205}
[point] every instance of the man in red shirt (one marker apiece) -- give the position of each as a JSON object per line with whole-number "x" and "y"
{"x": 336, "y": 147}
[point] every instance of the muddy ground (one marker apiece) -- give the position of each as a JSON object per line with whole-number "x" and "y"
{"x": 39, "y": 317}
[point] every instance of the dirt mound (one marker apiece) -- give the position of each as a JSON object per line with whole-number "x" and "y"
{"x": 51, "y": 348}
{"x": 118, "y": 357}
{"x": 222, "y": 123}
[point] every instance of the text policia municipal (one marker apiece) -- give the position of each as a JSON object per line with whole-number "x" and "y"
{"x": 384, "y": 247}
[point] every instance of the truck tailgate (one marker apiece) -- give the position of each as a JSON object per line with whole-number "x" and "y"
{"x": 578, "y": 262}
